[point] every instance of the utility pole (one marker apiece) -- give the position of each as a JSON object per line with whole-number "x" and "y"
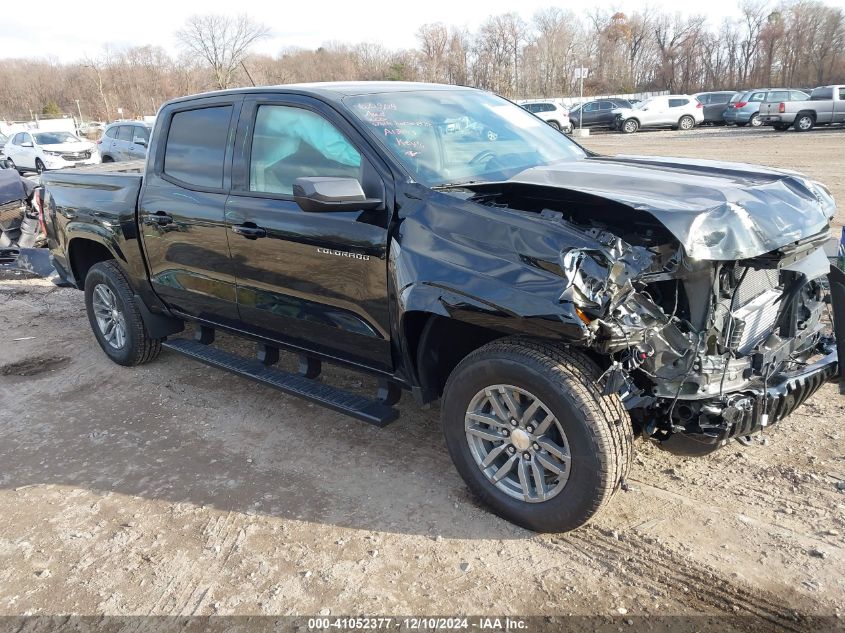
{"x": 78, "y": 109}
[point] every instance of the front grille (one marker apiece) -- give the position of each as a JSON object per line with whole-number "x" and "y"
{"x": 76, "y": 155}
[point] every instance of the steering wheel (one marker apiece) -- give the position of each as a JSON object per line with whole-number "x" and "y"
{"x": 481, "y": 156}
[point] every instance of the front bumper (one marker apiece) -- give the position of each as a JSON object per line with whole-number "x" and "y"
{"x": 57, "y": 162}
{"x": 764, "y": 403}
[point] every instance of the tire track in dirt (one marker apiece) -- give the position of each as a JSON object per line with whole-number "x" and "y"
{"x": 697, "y": 585}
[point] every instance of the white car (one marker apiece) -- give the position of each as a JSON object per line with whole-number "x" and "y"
{"x": 551, "y": 111}
{"x": 679, "y": 112}
{"x": 38, "y": 151}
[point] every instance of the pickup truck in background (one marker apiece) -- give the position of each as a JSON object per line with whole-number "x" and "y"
{"x": 557, "y": 302}
{"x": 825, "y": 106}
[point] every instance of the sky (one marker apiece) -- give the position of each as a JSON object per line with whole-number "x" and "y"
{"x": 68, "y": 31}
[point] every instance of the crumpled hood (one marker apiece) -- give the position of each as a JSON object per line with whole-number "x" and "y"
{"x": 717, "y": 210}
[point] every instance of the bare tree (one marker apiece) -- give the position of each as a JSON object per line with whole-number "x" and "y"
{"x": 223, "y": 41}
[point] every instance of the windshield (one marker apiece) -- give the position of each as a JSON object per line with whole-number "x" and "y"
{"x": 457, "y": 136}
{"x": 54, "y": 138}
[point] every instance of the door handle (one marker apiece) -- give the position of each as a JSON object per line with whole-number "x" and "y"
{"x": 159, "y": 218}
{"x": 249, "y": 230}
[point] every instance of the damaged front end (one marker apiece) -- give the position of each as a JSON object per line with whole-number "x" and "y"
{"x": 704, "y": 351}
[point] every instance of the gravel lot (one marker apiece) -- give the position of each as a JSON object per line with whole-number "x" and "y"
{"x": 176, "y": 489}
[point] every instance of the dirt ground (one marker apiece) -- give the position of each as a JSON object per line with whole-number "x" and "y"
{"x": 177, "y": 489}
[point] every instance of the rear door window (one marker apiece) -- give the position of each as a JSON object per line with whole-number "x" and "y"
{"x": 196, "y": 146}
{"x": 758, "y": 96}
{"x": 678, "y": 103}
{"x": 821, "y": 94}
{"x": 124, "y": 133}
{"x": 605, "y": 106}
{"x": 797, "y": 95}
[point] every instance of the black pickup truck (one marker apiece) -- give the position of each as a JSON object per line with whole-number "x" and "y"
{"x": 447, "y": 242}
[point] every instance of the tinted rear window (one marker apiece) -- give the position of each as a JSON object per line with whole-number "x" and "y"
{"x": 677, "y": 103}
{"x": 821, "y": 94}
{"x": 196, "y": 146}
{"x": 124, "y": 133}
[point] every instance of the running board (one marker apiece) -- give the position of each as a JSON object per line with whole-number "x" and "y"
{"x": 372, "y": 410}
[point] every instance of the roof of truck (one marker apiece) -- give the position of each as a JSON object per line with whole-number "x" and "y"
{"x": 331, "y": 90}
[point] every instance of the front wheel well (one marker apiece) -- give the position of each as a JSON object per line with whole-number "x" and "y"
{"x": 437, "y": 344}
{"x": 83, "y": 254}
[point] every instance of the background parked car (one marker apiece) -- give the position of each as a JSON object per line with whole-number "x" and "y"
{"x": 744, "y": 109}
{"x": 551, "y": 111}
{"x": 38, "y": 151}
{"x": 3, "y": 140}
{"x": 124, "y": 140}
{"x": 714, "y": 104}
{"x": 825, "y": 106}
{"x": 676, "y": 111}
{"x": 597, "y": 113}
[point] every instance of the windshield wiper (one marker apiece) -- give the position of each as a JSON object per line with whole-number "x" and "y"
{"x": 462, "y": 183}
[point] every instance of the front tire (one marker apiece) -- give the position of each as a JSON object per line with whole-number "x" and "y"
{"x": 114, "y": 317}
{"x": 533, "y": 437}
{"x": 629, "y": 126}
{"x": 39, "y": 166}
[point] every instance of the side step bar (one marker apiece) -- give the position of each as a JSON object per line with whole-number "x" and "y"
{"x": 372, "y": 410}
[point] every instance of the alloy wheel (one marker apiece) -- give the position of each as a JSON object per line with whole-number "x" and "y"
{"x": 518, "y": 443}
{"x": 109, "y": 317}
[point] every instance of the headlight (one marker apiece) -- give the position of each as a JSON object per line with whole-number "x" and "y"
{"x": 46, "y": 153}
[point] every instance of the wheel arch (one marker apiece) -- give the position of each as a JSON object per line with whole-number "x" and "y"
{"x": 83, "y": 253}
{"x": 435, "y": 345}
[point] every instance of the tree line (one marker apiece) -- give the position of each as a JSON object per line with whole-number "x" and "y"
{"x": 796, "y": 44}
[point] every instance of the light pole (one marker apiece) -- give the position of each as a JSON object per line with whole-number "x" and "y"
{"x": 78, "y": 109}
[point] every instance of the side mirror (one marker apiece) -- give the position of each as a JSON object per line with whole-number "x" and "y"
{"x": 329, "y": 193}
{"x": 140, "y": 141}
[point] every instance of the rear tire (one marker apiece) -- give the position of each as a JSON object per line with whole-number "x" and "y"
{"x": 107, "y": 159}
{"x": 554, "y": 124}
{"x": 591, "y": 430}
{"x": 755, "y": 121}
{"x": 629, "y": 126}
{"x": 804, "y": 123}
{"x": 109, "y": 300}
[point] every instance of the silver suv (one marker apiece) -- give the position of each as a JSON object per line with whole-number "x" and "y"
{"x": 124, "y": 140}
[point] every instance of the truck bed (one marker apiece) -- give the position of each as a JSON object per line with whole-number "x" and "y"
{"x": 97, "y": 202}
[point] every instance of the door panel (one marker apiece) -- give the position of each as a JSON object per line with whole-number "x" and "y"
{"x": 315, "y": 280}
{"x": 182, "y": 212}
